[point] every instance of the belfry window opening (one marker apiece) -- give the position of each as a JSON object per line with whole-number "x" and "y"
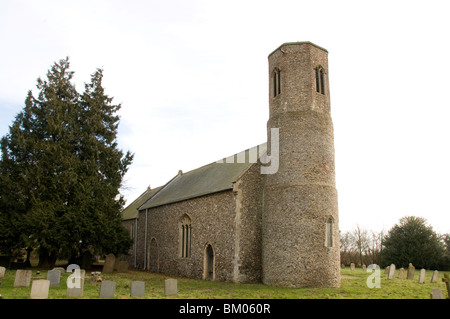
{"x": 276, "y": 82}
{"x": 320, "y": 80}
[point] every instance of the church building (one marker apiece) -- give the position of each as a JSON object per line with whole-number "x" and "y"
{"x": 267, "y": 214}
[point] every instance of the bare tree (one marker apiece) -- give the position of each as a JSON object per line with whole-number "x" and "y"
{"x": 362, "y": 242}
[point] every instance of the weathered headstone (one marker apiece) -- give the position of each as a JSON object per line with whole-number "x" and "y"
{"x": 60, "y": 269}
{"x": 137, "y": 289}
{"x": 170, "y": 287}
{"x": 109, "y": 263}
{"x": 54, "y": 276}
{"x": 39, "y": 289}
{"x": 422, "y": 276}
{"x": 436, "y": 294}
{"x": 75, "y": 283}
{"x": 391, "y": 271}
{"x": 446, "y": 279}
{"x": 122, "y": 266}
{"x": 411, "y": 270}
{"x": 2, "y": 272}
{"x": 23, "y": 278}
{"x": 107, "y": 289}
{"x": 386, "y": 271}
{"x": 401, "y": 273}
{"x": 352, "y": 266}
{"x": 72, "y": 267}
{"x": 364, "y": 267}
{"x": 435, "y": 276}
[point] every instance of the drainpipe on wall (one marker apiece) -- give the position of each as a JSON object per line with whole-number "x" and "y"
{"x": 135, "y": 242}
{"x": 145, "y": 240}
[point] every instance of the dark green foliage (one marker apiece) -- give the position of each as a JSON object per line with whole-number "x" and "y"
{"x": 61, "y": 172}
{"x": 412, "y": 241}
{"x": 446, "y": 260}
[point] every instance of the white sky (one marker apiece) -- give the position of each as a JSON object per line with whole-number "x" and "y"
{"x": 192, "y": 77}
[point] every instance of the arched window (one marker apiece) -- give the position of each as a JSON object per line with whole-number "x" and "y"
{"x": 276, "y": 77}
{"x": 185, "y": 237}
{"x": 329, "y": 233}
{"x": 320, "y": 80}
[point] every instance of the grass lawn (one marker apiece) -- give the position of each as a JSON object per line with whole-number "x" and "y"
{"x": 353, "y": 286}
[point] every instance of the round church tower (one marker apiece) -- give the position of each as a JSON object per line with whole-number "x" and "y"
{"x": 300, "y": 244}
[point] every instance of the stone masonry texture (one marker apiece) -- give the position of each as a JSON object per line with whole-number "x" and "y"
{"x": 265, "y": 228}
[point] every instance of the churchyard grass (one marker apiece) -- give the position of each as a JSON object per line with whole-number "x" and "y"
{"x": 353, "y": 286}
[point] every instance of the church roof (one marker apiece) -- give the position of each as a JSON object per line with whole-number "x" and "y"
{"x": 208, "y": 179}
{"x": 131, "y": 211}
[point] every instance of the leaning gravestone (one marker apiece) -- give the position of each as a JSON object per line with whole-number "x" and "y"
{"x": 436, "y": 294}
{"x": 435, "y": 276}
{"x": 39, "y": 289}
{"x": 109, "y": 263}
{"x": 422, "y": 276}
{"x": 446, "y": 280}
{"x": 54, "y": 276}
{"x": 137, "y": 289}
{"x": 401, "y": 273}
{"x": 391, "y": 271}
{"x": 107, "y": 289}
{"x": 2, "y": 272}
{"x": 411, "y": 270}
{"x": 23, "y": 278}
{"x": 170, "y": 287}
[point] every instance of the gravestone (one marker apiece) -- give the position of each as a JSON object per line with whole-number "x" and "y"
{"x": 72, "y": 267}
{"x": 23, "y": 278}
{"x": 422, "y": 276}
{"x": 391, "y": 271}
{"x": 75, "y": 283}
{"x": 39, "y": 289}
{"x": 107, "y": 289}
{"x": 401, "y": 273}
{"x": 446, "y": 279}
{"x": 436, "y": 294}
{"x": 122, "y": 266}
{"x": 364, "y": 267}
{"x": 411, "y": 270}
{"x": 386, "y": 271}
{"x": 2, "y": 272}
{"x": 170, "y": 287}
{"x": 435, "y": 276}
{"x": 137, "y": 289}
{"x": 352, "y": 266}
{"x": 54, "y": 276}
{"x": 109, "y": 263}
{"x": 60, "y": 269}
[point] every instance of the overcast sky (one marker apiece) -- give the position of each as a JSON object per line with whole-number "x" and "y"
{"x": 192, "y": 78}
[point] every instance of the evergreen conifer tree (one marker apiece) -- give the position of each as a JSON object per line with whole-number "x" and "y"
{"x": 412, "y": 241}
{"x": 62, "y": 170}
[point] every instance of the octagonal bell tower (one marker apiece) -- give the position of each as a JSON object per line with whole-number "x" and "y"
{"x": 300, "y": 244}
